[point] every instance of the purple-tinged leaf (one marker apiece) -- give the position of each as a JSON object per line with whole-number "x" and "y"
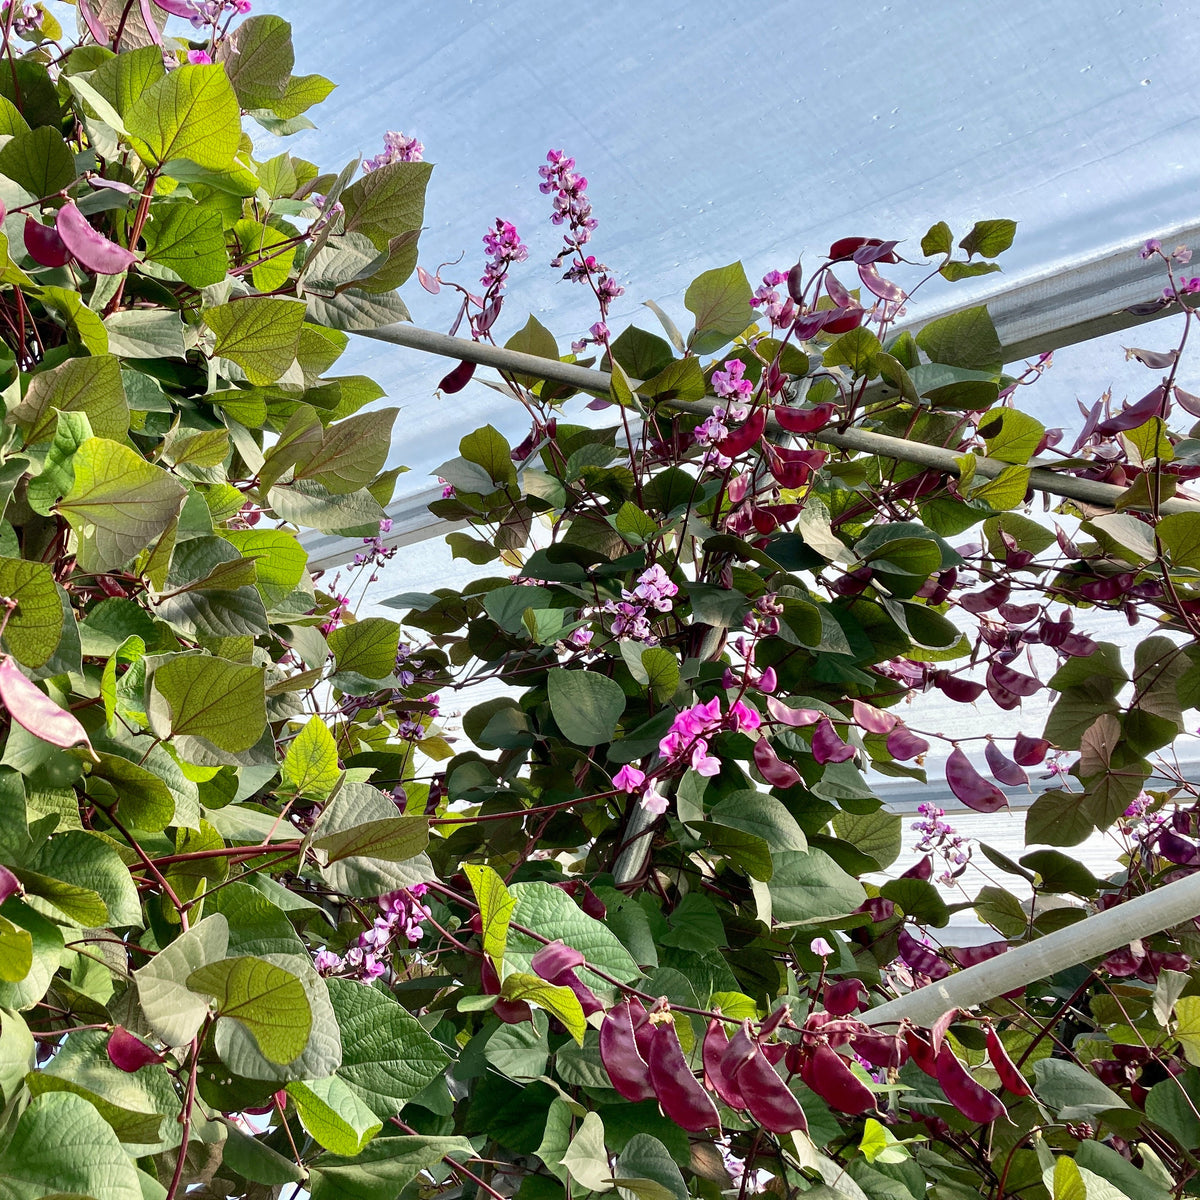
{"x": 804, "y": 420}
{"x": 1179, "y": 850}
{"x": 872, "y": 719}
{"x": 991, "y": 597}
{"x": 920, "y": 957}
{"x": 885, "y": 289}
{"x": 129, "y": 1053}
{"x": 746, "y": 435}
{"x": 971, "y": 787}
{"x": 1156, "y": 360}
{"x": 970, "y": 956}
{"x": 1029, "y": 752}
{"x": 552, "y": 960}
{"x": 837, "y": 293}
{"x": 44, "y": 244}
{"x": 35, "y": 712}
{"x": 827, "y": 746}
{"x": 954, "y": 687}
{"x": 922, "y": 869}
{"x": 10, "y": 885}
{"x": 845, "y": 997}
{"x": 1013, "y": 681}
{"x": 458, "y": 378}
{"x": 92, "y": 249}
{"x": 1189, "y": 403}
{"x": 795, "y": 717}
{"x": 903, "y": 744}
{"x": 95, "y": 26}
{"x": 1004, "y": 769}
{"x": 971, "y": 1098}
{"x": 772, "y": 768}
{"x": 795, "y": 283}
{"x": 1153, "y": 404}
{"x": 1018, "y": 614}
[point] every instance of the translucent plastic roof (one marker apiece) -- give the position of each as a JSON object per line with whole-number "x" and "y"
{"x": 712, "y": 132}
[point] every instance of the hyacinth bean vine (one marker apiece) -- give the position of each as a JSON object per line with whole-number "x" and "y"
{"x": 271, "y": 925}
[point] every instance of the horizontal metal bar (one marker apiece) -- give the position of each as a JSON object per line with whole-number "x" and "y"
{"x": 1068, "y": 303}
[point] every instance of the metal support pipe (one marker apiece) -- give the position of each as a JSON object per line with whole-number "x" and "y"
{"x": 1090, "y": 938}
{"x": 1042, "y": 477}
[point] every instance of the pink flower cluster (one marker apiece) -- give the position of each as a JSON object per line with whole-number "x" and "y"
{"x": 779, "y": 310}
{"x": 397, "y": 147}
{"x": 730, "y": 384}
{"x": 403, "y": 913}
{"x": 504, "y": 245}
{"x": 940, "y": 836}
{"x": 652, "y": 592}
{"x": 687, "y": 739}
{"x": 571, "y": 204}
{"x": 28, "y": 18}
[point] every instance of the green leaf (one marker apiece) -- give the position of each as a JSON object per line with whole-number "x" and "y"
{"x": 586, "y": 1158}
{"x": 39, "y": 160}
{"x": 586, "y": 706}
{"x": 16, "y": 952}
{"x": 680, "y": 379}
{"x": 366, "y": 647}
{"x": 394, "y": 839}
{"x": 488, "y": 448}
{"x": 809, "y": 886}
{"x": 1012, "y": 436}
{"x": 172, "y": 1011}
{"x": 310, "y": 767}
{"x": 383, "y": 1169}
{"x": 1072, "y": 1093}
{"x": 145, "y": 801}
{"x": 720, "y": 301}
{"x": 496, "y": 906}
{"x": 266, "y": 999}
{"x": 1057, "y": 818}
{"x": 146, "y": 333}
{"x": 35, "y": 626}
{"x": 334, "y": 1115}
{"x": 259, "y": 59}
{"x": 278, "y": 557}
{"x": 856, "y": 349}
{"x": 938, "y": 240}
{"x": 878, "y": 834}
{"x": 388, "y": 1057}
{"x": 387, "y": 202}
{"x": 90, "y": 385}
{"x": 534, "y": 338}
{"x": 58, "y": 467}
{"x": 966, "y": 339}
{"x": 125, "y": 77}
{"x": 354, "y": 807}
{"x": 1170, "y": 1105}
{"x": 118, "y": 503}
{"x": 259, "y": 333}
{"x": 62, "y": 1145}
{"x": 47, "y": 942}
{"x": 555, "y": 916}
{"x": 761, "y": 815}
{"x": 1007, "y": 490}
{"x": 662, "y": 673}
{"x": 1187, "y": 1027}
{"x": 269, "y": 251}
{"x": 211, "y": 698}
{"x": 352, "y": 452}
{"x": 989, "y": 238}
{"x": 86, "y": 860}
{"x": 558, "y": 1001}
{"x": 83, "y": 326}
{"x": 646, "y": 1158}
{"x": 190, "y": 240}
{"x": 192, "y": 113}
{"x": 1180, "y": 537}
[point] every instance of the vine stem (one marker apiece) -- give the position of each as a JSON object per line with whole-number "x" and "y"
{"x": 185, "y": 1115}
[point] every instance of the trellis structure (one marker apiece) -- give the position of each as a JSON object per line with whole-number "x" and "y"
{"x": 1072, "y": 303}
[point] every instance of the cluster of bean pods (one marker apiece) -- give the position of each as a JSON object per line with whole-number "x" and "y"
{"x": 641, "y": 1052}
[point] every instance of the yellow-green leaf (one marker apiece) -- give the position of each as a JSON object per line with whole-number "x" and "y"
{"x": 496, "y": 906}
{"x": 191, "y": 113}
{"x": 310, "y": 767}
{"x": 558, "y": 1001}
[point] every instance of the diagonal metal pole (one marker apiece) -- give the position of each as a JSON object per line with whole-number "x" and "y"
{"x": 1150, "y": 913}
